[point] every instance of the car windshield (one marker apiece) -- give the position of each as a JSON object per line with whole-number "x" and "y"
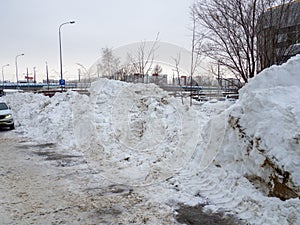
{"x": 3, "y": 106}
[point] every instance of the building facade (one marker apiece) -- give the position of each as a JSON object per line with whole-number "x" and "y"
{"x": 278, "y": 37}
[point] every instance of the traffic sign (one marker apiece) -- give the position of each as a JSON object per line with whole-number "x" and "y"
{"x": 62, "y": 82}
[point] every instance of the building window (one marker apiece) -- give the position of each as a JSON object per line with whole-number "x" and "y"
{"x": 281, "y": 38}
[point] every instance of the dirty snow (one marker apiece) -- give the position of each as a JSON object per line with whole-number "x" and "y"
{"x": 231, "y": 157}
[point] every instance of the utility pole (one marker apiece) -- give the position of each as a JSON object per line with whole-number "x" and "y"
{"x": 34, "y": 75}
{"x": 27, "y": 77}
{"x": 47, "y": 75}
{"x": 218, "y": 79}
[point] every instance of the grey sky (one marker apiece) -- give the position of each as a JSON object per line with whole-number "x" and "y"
{"x": 31, "y": 27}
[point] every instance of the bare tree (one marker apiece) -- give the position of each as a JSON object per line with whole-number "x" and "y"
{"x": 126, "y": 69}
{"x": 142, "y": 61}
{"x": 109, "y": 63}
{"x": 231, "y": 29}
{"x": 177, "y": 63}
{"x": 86, "y": 74}
{"x": 197, "y": 46}
{"x": 157, "y": 69}
{"x": 196, "y": 50}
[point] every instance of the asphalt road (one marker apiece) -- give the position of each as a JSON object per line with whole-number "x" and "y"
{"x": 42, "y": 184}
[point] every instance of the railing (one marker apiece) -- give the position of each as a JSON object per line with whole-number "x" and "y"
{"x": 40, "y": 86}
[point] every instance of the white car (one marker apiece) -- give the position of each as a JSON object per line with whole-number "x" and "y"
{"x": 6, "y": 116}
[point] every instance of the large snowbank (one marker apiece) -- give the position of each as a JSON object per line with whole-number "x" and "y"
{"x": 145, "y": 135}
{"x": 251, "y": 152}
{"x": 267, "y": 123}
{"x": 51, "y": 120}
{"x": 232, "y": 159}
{"x": 134, "y": 133}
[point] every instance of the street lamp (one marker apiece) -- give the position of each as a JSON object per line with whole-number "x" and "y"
{"x": 61, "y": 82}
{"x": 17, "y": 68}
{"x": 3, "y": 76}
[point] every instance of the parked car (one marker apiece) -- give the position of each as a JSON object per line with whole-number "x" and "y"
{"x": 6, "y": 116}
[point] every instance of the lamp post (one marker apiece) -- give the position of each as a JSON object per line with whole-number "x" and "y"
{"x": 61, "y": 82}
{"x": 3, "y": 76}
{"x": 17, "y": 68}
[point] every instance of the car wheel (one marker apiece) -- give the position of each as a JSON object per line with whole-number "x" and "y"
{"x": 12, "y": 127}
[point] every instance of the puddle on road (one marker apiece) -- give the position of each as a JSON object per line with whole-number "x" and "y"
{"x": 194, "y": 215}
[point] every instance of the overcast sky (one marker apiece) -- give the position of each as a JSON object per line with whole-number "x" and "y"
{"x": 31, "y": 27}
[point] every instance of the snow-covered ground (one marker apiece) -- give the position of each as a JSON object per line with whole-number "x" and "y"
{"x": 240, "y": 158}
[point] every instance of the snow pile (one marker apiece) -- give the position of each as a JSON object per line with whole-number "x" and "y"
{"x": 145, "y": 135}
{"x": 245, "y": 161}
{"x": 252, "y": 152}
{"x": 135, "y": 134}
{"x": 48, "y": 120}
{"x": 266, "y": 123}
